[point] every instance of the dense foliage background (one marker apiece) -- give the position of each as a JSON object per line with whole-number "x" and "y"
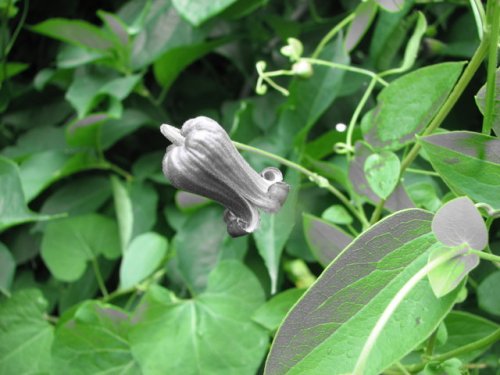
{"x": 105, "y": 268}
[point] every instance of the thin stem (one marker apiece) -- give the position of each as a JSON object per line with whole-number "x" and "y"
{"x": 359, "y": 368}
{"x": 331, "y": 34}
{"x": 421, "y": 171}
{"x": 431, "y": 343}
{"x": 402, "y": 368}
{"x": 486, "y": 256}
{"x": 99, "y": 278}
{"x": 346, "y": 67}
{"x": 479, "y": 16}
{"x": 378, "y": 212}
{"x": 479, "y": 344}
{"x": 314, "y": 177}
{"x": 492, "y": 35}
{"x": 357, "y": 112}
{"x": 19, "y": 26}
{"x": 457, "y": 91}
{"x": 118, "y": 293}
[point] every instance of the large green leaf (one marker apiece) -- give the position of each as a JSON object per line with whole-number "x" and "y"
{"x": 408, "y": 104}
{"x": 487, "y": 294}
{"x": 197, "y": 12}
{"x": 76, "y": 32}
{"x": 327, "y": 329}
{"x": 141, "y": 258}
{"x": 68, "y": 244}
{"x": 200, "y": 243}
{"x": 275, "y": 229}
{"x": 13, "y": 208}
{"x": 94, "y": 341}
{"x": 325, "y": 240}
{"x": 163, "y": 30}
{"x": 212, "y": 334}
{"x": 25, "y": 334}
{"x": 468, "y": 162}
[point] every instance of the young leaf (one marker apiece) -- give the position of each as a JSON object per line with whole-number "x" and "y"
{"x": 89, "y": 236}
{"x": 214, "y": 329}
{"x": 481, "y": 103}
{"x": 13, "y": 208}
{"x": 447, "y": 276}
{"x": 410, "y": 101}
{"x": 198, "y": 12}
{"x": 7, "y": 269}
{"x": 25, "y": 335}
{"x": 351, "y": 294}
{"x": 469, "y": 163}
{"x": 337, "y": 214}
{"x": 364, "y": 14}
{"x": 124, "y": 213}
{"x": 382, "y": 173}
{"x": 325, "y": 239}
{"x": 270, "y": 314}
{"x": 487, "y": 294}
{"x": 275, "y": 229}
{"x": 94, "y": 341}
{"x": 398, "y": 200}
{"x": 459, "y": 222}
{"x": 141, "y": 258}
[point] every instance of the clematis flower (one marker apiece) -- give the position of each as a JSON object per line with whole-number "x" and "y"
{"x": 203, "y": 160}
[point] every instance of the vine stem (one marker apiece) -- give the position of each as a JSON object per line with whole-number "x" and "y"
{"x": 314, "y": 177}
{"x": 359, "y": 368}
{"x": 482, "y": 343}
{"x": 99, "y": 278}
{"x": 485, "y": 255}
{"x": 332, "y": 33}
{"x": 492, "y": 36}
{"x": 457, "y": 91}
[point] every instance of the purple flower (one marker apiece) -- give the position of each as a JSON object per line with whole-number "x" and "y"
{"x": 203, "y": 160}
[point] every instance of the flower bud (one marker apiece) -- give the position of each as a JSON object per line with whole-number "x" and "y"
{"x": 302, "y": 69}
{"x": 203, "y": 160}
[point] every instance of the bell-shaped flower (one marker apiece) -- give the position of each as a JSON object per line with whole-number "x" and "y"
{"x": 203, "y": 160}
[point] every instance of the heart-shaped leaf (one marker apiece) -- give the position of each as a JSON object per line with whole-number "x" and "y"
{"x": 382, "y": 172}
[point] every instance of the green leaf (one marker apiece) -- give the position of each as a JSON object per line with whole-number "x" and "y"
{"x": 446, "y": 277}
{"x": 168, "y": 66}
{"x": 487, "y": 294}
{"x": 410, "y": 101}
{"x": 40, "y": 170}
{"x": 464, "y": 329}
{"x": 412, "y": 46}
{"x": 325, "y": 240}
{"x": 382, "y": 173}
{"x": 7, "y": 269}
{"x": 68, "y": 244}
{"x": 364, "y": 14}
{"x": 198, "y": 12}
{"x": 214, "y": 330}
{"x": 124, "y": 213}
{"x": 142, "y": 258}
{"x": 91, "y": 85}
{"x": 274, "y": 230}
{"x": 351, "y": 294}
{"x": 163, "y": 30}
{"x": 424, "y": 195}
{"x": 198, "y": 244}
{"x": 12, "y": 69}
{"x": 337, "y": 214}
{"x": 451, "y": 366}
{"x": 76, "y": 32}
{"x": 13, "y": 208}
{"x": 25, "y": 334}
{"x": 481, "y": 103}
{"x": 398, "y": 200}
{"x": 459, "y": 222}
{"x": 94, "y": 341}
{"x": 469, "y": 163}
{"x": 270, "y": 314}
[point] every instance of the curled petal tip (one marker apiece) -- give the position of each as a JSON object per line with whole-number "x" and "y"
{"x": 172, "y": 134}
